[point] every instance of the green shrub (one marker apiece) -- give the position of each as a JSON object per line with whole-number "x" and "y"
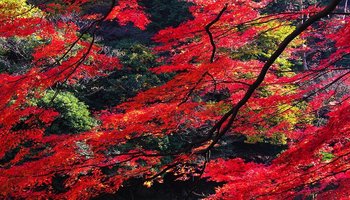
{"x": 74, "y": 115}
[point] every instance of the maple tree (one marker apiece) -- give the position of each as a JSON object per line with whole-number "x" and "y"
{"x": 232, "y": 68}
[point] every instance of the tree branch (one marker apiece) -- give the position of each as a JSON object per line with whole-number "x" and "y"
{"x": 232, "y": 114}
{"x": 211, "y": 38}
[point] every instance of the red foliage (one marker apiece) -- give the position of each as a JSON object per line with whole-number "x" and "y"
{"x": 298, "y": 171}
{"x": 169, "y": 109}
{"x": 129, "y": 11}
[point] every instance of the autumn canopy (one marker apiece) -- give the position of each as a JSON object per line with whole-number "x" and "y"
{"x": 99, "y": 96}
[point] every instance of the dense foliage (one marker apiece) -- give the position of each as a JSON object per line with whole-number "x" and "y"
{"x": 86, "y": 110}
